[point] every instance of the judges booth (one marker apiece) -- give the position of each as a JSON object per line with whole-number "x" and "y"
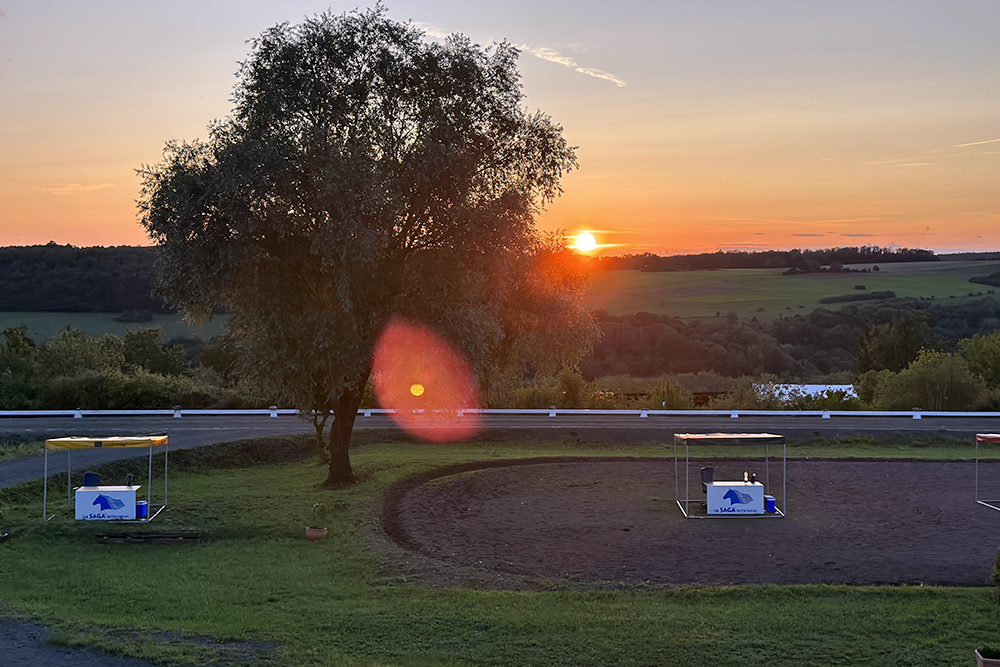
{"x": 993, "y": 438}
{"x": 101, "y": 502}
{"x": 733, "y": 495}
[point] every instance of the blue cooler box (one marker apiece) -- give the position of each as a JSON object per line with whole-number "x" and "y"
{"x": 769, "y": 505}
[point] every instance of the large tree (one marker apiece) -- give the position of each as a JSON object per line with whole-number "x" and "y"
{"x": 364, "y": 173}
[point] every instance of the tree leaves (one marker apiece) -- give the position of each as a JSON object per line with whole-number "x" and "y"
{"x": 363, "y": 173}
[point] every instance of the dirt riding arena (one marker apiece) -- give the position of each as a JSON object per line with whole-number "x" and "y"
{"x": 615, "y": 520}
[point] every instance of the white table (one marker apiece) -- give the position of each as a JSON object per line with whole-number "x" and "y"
{"x": 735, "y": 497}
{"x": 105, "y": 503}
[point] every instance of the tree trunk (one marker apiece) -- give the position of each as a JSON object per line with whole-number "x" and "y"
{"x": 345, "y": 410}
{"x": 319, "y": 424}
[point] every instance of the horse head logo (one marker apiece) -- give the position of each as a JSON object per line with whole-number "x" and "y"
{"x": 736, "y": 498}
{"x": 108, "y": 503}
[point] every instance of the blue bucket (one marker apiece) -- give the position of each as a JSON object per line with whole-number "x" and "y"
{"x": 769, "y": 504}
{"x": 141, "y": 509}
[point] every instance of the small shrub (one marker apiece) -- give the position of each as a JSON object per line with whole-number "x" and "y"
{"x": 318, "y": 515}
{"x": 572, "y": 391}
{"x": 669, "y": 395}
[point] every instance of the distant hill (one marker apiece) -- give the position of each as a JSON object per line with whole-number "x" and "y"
{"x": 984, "y": 256}
{"x": 55, "y": 278}
{"x": 804, "y": 261}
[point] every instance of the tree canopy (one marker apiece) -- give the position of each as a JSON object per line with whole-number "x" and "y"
{"x": 364, "y": 174}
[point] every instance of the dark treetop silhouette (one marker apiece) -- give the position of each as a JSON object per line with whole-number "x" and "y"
{"x": 364, "y": 174}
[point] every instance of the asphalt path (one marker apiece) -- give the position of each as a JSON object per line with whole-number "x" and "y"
{"x": 192, "y": 431}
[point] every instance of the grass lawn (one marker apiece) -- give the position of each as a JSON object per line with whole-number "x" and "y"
{"x": 12, "y": 447}
{"x": 766, "y": 293}
{"x": 255, "y": 591}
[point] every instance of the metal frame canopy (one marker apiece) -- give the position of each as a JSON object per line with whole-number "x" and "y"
{"x": 985, "y": 437}
{"x": 74, "y": 442}
{"x": 727, "y": 439}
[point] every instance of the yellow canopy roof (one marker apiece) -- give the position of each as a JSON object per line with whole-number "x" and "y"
{"x": 728, "y": 438}
{"x": 113, "y": 441}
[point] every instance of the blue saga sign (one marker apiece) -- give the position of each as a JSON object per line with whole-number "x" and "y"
{"x": 735, "y": 498}
{"x": 103, "y": 503}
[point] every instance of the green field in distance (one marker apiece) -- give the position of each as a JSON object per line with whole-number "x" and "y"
{"x": 768, "y": 294}
{"x": 688, "y": 294}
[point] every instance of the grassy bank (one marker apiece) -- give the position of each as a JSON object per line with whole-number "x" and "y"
{"x": 16, "y": 447}
{"x": 253, "y": 590}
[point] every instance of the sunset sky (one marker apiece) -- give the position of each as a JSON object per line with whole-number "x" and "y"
{"x": 701, "y": 125}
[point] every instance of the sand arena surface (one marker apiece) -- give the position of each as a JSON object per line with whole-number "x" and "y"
{"x": 615, "y": 520}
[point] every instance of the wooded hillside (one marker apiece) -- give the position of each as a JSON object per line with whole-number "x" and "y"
{"x": 55, "y": 278}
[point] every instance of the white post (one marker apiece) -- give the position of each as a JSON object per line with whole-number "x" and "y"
{"x": 45, "y": 484}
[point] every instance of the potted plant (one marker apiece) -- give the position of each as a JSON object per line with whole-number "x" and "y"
{"x": 316, "y": 530}
{"x": 988, "y": 656}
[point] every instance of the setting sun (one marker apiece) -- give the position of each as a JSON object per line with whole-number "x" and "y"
{"x": 585, "y": 242}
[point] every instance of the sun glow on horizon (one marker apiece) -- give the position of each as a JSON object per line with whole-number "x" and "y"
{"x": 585, "y": 242}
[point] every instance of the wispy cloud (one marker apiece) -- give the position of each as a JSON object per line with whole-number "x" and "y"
{"x": 551, "y": 55}
{"x": 611, "y": 175}
{"x": 554, "y": 56}
{"x": 545, "y": 53}
{"x": 857, "y": 236}
{"x": 913, "y": 161}
{"x": 799, "y": 221}
{"x": 74, "y": 188}
{"x": 973, "y": 143}
{"x": 808, "y": 234}
{"x": 431, "y": 30}
{"x": 742, "y": 246}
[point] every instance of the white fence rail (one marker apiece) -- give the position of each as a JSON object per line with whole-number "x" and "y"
{"x": 273, "y": 411}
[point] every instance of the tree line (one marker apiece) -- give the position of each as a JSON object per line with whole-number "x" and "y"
{"x": 67, "y": 279}
{"x": 802, "y": 260}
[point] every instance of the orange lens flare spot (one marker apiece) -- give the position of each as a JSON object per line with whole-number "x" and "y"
{"x": 426, "y": 381}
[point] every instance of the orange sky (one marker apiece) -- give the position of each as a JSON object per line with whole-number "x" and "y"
{"x": 700, "y": 125}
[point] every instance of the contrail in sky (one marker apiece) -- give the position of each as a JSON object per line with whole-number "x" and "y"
{"x": 554, "y": 56}
{"x": 544, "y": 53}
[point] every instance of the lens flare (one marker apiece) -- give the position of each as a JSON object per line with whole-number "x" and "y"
{"x": 426, "y": 381}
